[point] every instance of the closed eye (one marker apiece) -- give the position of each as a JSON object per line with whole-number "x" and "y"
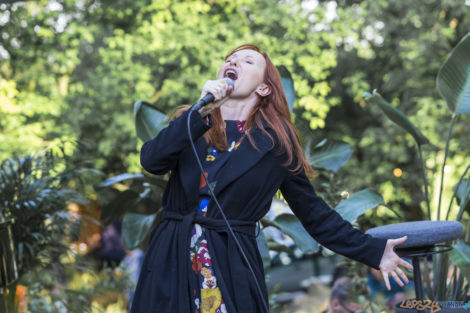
{"x": 250, "y": 62}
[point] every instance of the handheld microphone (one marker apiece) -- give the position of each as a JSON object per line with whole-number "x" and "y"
{"x": 210, "y": 97}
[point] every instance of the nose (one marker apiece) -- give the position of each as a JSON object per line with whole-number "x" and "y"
{"x": 233, "y": 61}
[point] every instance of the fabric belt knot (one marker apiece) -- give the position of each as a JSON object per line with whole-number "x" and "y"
{"x": 219, "y": 225}
{"x": 184, "y": 234}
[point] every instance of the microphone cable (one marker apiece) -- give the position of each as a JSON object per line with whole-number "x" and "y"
{"x": 191, "y": 110}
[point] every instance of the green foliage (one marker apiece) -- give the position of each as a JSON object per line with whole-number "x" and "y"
{"x": 88, "y": 290}
{"x": 453, "y": 79}
{"x": 33, "y": 194}
{"x": 358, "y": 204}
{"x": 135, "y": 227}
{"x": 109, "y": 58}
{"x": 453, "y": 82}
{"x": 329, "y": 154}
{"x": 396, "y": 116}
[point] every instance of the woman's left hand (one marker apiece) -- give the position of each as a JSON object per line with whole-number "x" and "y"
{"x": 390, "y": 261}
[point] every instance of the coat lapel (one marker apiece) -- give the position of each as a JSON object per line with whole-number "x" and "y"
{"x": 242, "y": 159}
{"x": 190, "y": 174}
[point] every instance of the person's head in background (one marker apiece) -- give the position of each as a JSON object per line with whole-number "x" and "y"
{"x": 341, "y": 300}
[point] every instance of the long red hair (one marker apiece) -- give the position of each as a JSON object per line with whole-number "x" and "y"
{"x": 274, "y": 110}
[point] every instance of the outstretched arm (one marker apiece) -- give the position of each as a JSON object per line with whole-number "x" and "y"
{"x": 327, "y": 226}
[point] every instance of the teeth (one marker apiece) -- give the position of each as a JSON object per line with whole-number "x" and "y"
{"x": 232, "y": 74}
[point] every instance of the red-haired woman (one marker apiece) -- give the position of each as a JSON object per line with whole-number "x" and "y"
{"x": 250, "y": 149}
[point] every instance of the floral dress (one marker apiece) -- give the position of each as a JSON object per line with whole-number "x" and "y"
{"x": 208, "y": 297}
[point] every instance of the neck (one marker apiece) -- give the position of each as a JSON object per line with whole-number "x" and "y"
{"x": 238, "y": 109}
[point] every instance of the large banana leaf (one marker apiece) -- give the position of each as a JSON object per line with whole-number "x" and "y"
{"x": 148, "y": 120}
{"x": 349, "y": 209}
{"x": 135, "y": 227}
{"x": 460, "y": 256}
{"x": 396, "y": 116}
{"x": 359, "y": 203}
{"x": 290, "y": 225}
{"x": 329, "y": 154}
{"x": 119, "y": 205}
{"x": 288, "y": 84}
{"x": 463, "y": 192}
{"x": 453, "y": 79}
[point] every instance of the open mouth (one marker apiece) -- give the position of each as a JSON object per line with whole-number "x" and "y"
{"x": 231, "y": 73}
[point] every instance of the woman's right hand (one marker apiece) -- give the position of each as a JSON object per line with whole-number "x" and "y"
{"x": 220, "y": 89}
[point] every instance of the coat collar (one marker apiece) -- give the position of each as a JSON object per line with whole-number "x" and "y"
{"x": 240, "y": 161}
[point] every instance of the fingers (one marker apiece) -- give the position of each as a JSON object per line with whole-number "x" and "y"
{"x": 402, "y": 275}
{"x": 405, "y": 264}
{"x": 218, "y": 88}
{"x": 394, "y": 270}
{"x": 397, "y": 279}
{"x": 387, "y": 282}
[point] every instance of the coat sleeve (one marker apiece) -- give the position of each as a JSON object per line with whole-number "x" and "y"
{"x": 160, "y": 154}
{"x": 327, "y": 226}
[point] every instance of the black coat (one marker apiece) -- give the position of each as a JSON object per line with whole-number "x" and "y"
{"x": 246, "y": 186}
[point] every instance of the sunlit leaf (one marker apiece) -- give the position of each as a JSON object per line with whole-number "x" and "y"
{"x": 359, "y": 203}
{"x": 329, "y": 154}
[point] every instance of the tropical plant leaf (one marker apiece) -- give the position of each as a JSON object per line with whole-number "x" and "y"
{"x": 135, "y": 227}
{"x": 460, "y": 256}
{"x": 463, "y": 195}
{"x": 119, "y": 178}
{"x": 290, "y": 225}
{"x": 453, "y": 79}
{"x": 329, "y": 154}
{"x": 288, "y": 85}
{"x": 119, "y": 205}
{"x": 273, "y": 245}
{"x": 396, "y": 116}
{"x": 359, "y": 203}
{"x": 463, "y": 192}
{"x": 148, "y": 120}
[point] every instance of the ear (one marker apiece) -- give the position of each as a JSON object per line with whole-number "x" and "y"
{"x": 263, "y": 90}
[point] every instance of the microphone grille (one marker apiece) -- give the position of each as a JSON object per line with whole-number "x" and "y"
{"x": 230, "y": 82}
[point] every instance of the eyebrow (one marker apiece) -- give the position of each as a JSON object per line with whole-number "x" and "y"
{"x": 246, "y": 56}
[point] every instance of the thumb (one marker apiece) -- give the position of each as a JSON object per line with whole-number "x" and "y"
{"x": 399, "y": 240}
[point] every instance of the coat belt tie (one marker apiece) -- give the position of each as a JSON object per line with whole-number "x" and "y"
{"x": 218, "y": 225}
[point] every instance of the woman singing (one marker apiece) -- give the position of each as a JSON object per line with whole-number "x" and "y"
{"x": 249, "y": 149}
